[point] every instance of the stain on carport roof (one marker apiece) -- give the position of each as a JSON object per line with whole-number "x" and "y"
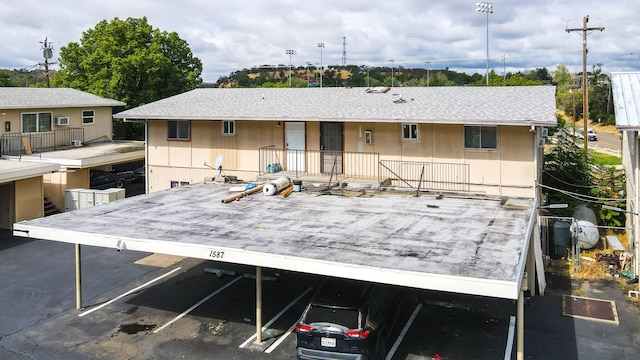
{"x": 460, "y": 244}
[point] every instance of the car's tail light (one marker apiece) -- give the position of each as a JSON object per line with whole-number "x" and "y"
{"x": 357, "y": 334}
{"x": 303, "y": 328}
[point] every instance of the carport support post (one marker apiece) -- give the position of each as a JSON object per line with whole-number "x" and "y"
{"x": 258, "y": 305}
{"x": 78, "y": 279}
{"x": 520, "y": 323}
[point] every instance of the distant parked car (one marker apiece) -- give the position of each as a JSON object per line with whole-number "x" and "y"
{"x": 140, "y": 174}
{"x": 590, "y": 133}
{"x": 348, "y": 320}
{"x": 100, "y": 179}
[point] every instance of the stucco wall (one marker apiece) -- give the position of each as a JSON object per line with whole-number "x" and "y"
{"x": 28, "y": 196}
{"x": 507, "y": 171}
{"x": 55, "y": 184}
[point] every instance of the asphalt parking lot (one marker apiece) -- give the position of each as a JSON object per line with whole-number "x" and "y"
{"x": 141, "y": 306}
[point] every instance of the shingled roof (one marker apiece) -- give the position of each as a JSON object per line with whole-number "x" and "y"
{"x": 28, "y": 98}
{"x": 518, "y": 105}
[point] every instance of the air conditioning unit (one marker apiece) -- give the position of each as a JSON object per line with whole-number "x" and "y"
{"x": 76, "y": 143}
{"x": 62, "y": 120}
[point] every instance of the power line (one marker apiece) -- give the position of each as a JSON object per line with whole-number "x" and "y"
{"x": 581, "y": 197}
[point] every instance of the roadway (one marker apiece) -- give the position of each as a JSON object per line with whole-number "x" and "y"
{"x": 607, "y": 142}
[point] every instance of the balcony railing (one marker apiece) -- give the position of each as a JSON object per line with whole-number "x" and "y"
{"x": 15, "y": 144}
{"x": 365, "y": 167}
{"x": 342, "y": 164}
{"x": 425, "y": 175}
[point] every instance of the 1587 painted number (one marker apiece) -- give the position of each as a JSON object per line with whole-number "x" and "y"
{"x": 215, "y": 254}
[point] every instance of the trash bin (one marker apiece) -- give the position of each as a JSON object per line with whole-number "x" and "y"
{"x": 297, "y": 185}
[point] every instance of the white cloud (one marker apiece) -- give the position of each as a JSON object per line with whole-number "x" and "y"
{"x": 232, "y": 35}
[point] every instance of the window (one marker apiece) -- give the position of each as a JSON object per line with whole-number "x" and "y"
{"x": 178, "y": 130}
{"x": 36, "y": 122}
{"x": 228, "y": 127}
{"x": 409, "y": 131}
{"x": 481, "y": 137}
{"x": 88, "y": 117}
{"x": 176, "y": 184}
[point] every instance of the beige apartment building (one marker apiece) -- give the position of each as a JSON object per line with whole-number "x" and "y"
{"x": 49, "y": 140}
{"x": 484, "y": 140}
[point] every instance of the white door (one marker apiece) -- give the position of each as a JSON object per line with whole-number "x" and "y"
{"x": 295, "y": 145}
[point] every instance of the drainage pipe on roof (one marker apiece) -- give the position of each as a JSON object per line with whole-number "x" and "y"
{"x": 276, "y": 186}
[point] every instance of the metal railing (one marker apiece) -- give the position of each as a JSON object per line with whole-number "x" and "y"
{"x": 342, "y": 164}
{"x": 366, "y": 166}
{"x": 425, "y": 175}
{"x": 15, "y": 144}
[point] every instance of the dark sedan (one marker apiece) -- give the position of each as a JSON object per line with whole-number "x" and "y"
{"x": 101, "y": 179}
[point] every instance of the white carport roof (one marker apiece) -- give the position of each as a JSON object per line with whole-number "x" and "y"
{"x": 457, "y": 244}
{"x": 91, "y": 155}
{"x": 19, "y": 170}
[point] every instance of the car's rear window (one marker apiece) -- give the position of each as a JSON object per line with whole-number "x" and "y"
{"x": 322, "y": 314}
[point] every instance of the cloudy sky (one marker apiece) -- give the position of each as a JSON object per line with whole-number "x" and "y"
{"x": 235, "y": 34}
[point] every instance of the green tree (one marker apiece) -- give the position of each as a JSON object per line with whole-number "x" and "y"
{"x": 610, "y": 184}
{"x": 566, "y": 169}
{"x": 600, "y": 99}
{"x": 565, "y": 89}
{"x": 129, "y": 61}
{"x": 5, "y": 79}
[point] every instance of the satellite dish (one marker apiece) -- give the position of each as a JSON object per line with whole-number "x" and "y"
{"x": 218, "y": 163}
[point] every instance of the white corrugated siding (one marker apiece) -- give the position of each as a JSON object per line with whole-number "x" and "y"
{"x": 626, "y": 98}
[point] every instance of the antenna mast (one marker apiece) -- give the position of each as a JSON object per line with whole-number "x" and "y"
{"x": 344, "y": 50}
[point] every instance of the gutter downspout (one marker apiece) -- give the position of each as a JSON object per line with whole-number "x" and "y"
{"x": 146, "y": 156}
{"x": 258, "y": 305}
{"x": 635, "y": 204}
{"x": 78, "y": 277}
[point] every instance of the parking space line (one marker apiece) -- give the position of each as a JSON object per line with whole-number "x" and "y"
{"x": 266, "y": 326}
{"x": 395, "y": 346}
{"x": 128, "y": 293}
{"x": 184, "y": 313}
{"x": 512, "y": 329}
{"x": 280, "y": 339}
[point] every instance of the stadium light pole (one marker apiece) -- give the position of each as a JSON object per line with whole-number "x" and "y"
{"x": 428, "y": 63}
{"x": 321, "y": 46}
{"x": 290, "y": 52}
{"x": 486, "y": 7}
{"x": 391, "y": 72}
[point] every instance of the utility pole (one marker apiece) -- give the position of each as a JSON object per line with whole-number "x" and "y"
{"x": 47, "y": 53}
{"x": 585, "y": 93}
